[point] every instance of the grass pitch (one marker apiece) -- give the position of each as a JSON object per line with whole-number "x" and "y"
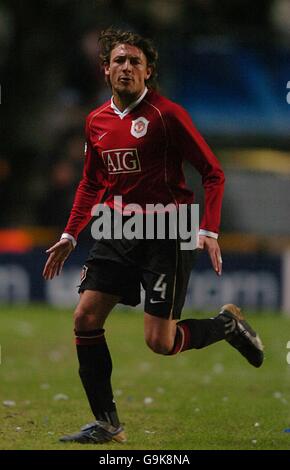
{"x": 207, "y": 399}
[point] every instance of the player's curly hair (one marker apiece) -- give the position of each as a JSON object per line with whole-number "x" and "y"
{"x": 110, "y": 38}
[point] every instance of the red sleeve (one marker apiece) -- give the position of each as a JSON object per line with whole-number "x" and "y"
{"x": 192, "y": 147}
{"x": 89, "y": 192}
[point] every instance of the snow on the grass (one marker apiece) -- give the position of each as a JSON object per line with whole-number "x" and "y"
{"x": 44, "y": 386}
{"x": 145, "y": 366}
{"x": 60, "y": 396}
{"x": 55, "y": 356}
{"x": 9, "y": 403}
{"x": 148, "y": 400}
{"x": 218, "y": 368}
{"x": 24, "y": 328}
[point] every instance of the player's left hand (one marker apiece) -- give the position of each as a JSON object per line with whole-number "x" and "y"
{"x": 211, "y": 245}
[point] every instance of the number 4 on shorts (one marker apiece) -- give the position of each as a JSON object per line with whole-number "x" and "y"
{"x": 161, "y": 286}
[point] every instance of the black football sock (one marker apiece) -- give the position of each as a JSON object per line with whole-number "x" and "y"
{"x": 197, "y": 334}
{"x": 95, "y": 372}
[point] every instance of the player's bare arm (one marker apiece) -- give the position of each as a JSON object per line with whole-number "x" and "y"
{"x": 58, "y": 253}
{"x": 211, "y": 245}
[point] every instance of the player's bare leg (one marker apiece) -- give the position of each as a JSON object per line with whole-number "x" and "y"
{"x": 96, "y": 368}
{"x": 93, "y": 309}
{"x": 159, "y": 333}
{"x": 166, "y": 336}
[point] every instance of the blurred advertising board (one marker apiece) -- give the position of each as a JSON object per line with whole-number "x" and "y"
{"x": 254, "y": 281}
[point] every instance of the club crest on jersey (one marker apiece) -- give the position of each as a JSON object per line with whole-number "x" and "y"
{"x": 84, "y": 273}
{"x": 121, "y": 161}
{"x": 139, "y": 127}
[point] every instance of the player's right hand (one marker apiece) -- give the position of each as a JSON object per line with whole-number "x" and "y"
{"x": 58, "y": 253}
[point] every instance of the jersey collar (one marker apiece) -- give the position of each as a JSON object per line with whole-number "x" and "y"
{"x": 133, "y": 105}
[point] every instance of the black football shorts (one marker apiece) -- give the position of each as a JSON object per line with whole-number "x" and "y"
{"x": 120, "y": 267}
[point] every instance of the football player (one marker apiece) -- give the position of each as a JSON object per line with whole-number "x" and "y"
{"x": 136, "y": 145}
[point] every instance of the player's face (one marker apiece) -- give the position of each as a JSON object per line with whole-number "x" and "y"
{"x": 127, "y": 71}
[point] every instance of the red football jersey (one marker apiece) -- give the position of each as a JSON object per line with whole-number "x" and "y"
{"x": 138, "y": 154}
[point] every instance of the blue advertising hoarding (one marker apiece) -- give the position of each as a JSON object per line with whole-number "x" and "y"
{"x": 250, "y": 280}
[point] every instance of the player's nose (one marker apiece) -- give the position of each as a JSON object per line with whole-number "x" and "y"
{"x": 127, "y": 65}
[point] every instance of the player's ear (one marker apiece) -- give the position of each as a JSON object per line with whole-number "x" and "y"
{"x": 149, "y": 72}
{"x": 107, "y": 69}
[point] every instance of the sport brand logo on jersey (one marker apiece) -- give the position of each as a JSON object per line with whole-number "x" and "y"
{"x": 121, "y": 161}
{"x": 139, "y": 127}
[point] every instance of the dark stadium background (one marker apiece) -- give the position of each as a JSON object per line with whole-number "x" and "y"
{"x": 227, "y": 62}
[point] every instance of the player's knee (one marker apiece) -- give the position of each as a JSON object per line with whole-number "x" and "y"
{"x": 158, "y": 345}
{"x": 81, "y": 318}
